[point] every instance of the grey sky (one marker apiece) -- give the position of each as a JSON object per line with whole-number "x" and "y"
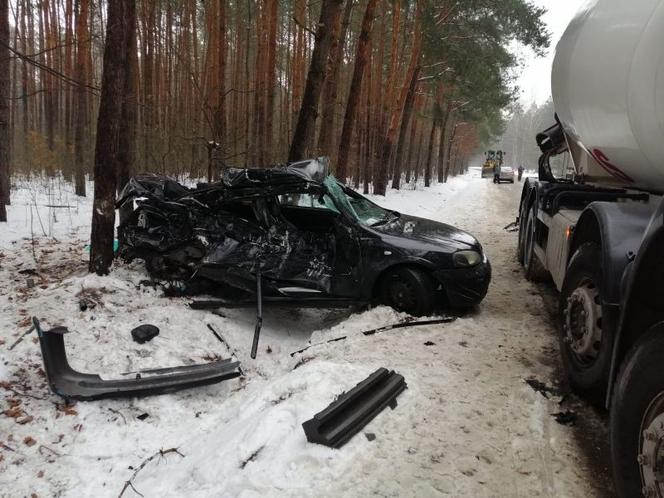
{"x": 534, "y": 79}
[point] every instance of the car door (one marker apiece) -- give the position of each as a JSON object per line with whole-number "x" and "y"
{"x": 315, "y": 217}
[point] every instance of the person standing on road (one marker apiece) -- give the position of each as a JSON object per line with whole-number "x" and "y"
{"x": 520, "y": 170}
{"x": 496, "y": 173}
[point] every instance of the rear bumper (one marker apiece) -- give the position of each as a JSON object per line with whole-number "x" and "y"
{"x": 71, "y": 384}
{"x": 465, "y": 287}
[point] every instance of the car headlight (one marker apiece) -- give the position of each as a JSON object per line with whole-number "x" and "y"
{"x": 466, "y": 258}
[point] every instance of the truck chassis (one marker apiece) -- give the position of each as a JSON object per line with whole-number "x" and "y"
{"x": 604, "y": 250}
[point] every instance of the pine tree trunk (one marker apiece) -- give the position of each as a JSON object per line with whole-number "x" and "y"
{"x": 305, "y": 129}
{"x": 271, "y": 83}
{"x": 108, "y": 134}
{"x": 361, "y": 58}
{"x": 443, "y": 141}
{"x": 127, "y": 138}
{"x": 449, "y": 150}
{"x": 5, "y": 136}
{"x": 403, "y": 130}
{"x": 427, "y": 164}
{"x": 326, "y": 138}
{"x": 398, "y": 111}
{"x": 82, "y": 119}
{"x": 219, "y": 78}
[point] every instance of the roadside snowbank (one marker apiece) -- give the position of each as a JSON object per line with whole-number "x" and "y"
{"x": 468, "y": 424}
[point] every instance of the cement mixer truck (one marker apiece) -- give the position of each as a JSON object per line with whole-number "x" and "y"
{"x": 596, "y": 226}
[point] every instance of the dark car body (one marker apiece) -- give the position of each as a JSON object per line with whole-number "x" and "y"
{"x": 310, "y": 236}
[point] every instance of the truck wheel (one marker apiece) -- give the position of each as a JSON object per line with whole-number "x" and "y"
{"x": 523, "y": 218}
{"x": 410, "y": 290}
{"x": 637, "y": 419}
{"x": 587, "y": 335}
{"x": 534, "y": 269}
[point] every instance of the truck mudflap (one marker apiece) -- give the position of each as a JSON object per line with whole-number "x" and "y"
{"x": 351, "y": 411}
{"x": 71, "y": 384}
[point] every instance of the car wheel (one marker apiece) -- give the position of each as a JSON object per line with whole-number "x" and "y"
{"x": 534, "y": 269}
{"x": 586, "y": 337}
{"x": 637, "y": 419}
{"x": 409, "y": 290}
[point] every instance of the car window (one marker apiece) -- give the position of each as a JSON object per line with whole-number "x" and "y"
{"x": 367, "y": 212}
{"x": 308, "y": 200}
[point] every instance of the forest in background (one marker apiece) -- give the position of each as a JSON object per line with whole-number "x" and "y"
{"x": 389, "y": 90}
{"x": 235, "y": 73}
{"x": 521, "y": 127}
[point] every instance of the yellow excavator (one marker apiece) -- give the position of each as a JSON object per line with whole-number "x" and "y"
{"x": 493, "y": 157}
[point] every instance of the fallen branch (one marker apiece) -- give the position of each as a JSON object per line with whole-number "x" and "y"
{"x": 160, "y": 453}
{"x": 43, "y": 446}
{"x": 399, "y": 325}
{"x": 231, "y": 350}
{"x": 117, "y": 412}
{"x": 22, "y": 336}
{"x": 5, "y": 385}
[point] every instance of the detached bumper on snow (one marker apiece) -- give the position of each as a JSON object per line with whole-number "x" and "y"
{"x": 68, "y": 383}
{"x": 346, "y": 416}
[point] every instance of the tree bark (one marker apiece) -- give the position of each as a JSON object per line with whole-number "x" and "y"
{"x": 326, "y": 142}
{"x": 361, "y": 58}
{"x": 449, "y": 150}
{"x": 409, "y": 85}
{"x": 82, "y": 119}
{"x": 328, "y": 29}
{"x": 127, "y": 138}
{"x": 403, "y": 130}
{"x": 443, "y": 141}
{"x": 427, "y": 165}
{"x": 5, "y": 135}
{"x": 108, "y": 133}
{"x": 270, "y": 78}
{"x": 219, "y": 77}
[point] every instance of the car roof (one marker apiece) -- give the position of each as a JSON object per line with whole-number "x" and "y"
{"x": 308, "y": 171}
{"x": 235, "y": 182}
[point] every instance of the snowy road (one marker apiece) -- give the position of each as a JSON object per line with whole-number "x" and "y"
{"x": 468, "y": 424}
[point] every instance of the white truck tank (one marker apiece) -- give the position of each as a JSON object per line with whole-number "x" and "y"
{"x": 608, "y": 89}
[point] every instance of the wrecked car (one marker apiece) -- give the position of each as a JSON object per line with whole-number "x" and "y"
{"x": 304, "y": 236}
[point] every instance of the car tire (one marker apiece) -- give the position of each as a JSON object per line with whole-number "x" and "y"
{"x": 635, "y": 405}
{"x": 586, "y": 335}
{"x": 534, "y": 269}
{"x": 409, "y": 290}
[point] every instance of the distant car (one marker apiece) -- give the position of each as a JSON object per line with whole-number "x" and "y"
{"x": 506, "y": 175}
{"x": 311, "y": 239}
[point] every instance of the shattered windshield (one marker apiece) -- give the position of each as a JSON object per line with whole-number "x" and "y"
{"x": 308, "y": 200}
{"x": 361, "y": 208}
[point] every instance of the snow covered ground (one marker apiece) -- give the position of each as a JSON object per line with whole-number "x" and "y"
{"x": 468, "y": 424}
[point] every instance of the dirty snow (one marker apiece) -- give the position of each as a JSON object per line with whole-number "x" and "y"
{"x": 468, "y": 424}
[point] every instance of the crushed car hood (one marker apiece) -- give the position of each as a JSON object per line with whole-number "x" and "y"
{"x": 433, "y": 232}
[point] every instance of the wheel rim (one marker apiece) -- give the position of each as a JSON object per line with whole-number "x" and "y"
{"x": 583, "y": 323}
{"x": 651, "y": 449}
{"x": 402, "y": 295}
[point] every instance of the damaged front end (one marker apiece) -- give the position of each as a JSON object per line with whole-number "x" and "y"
{"x": 71, "y": 384}
{"x": 213, "y": 238}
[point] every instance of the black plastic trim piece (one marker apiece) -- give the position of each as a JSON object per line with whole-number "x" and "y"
{"x": 296, "y": 302}
{"x": 70, "y": 384}
{"x": 351, "y": 411}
